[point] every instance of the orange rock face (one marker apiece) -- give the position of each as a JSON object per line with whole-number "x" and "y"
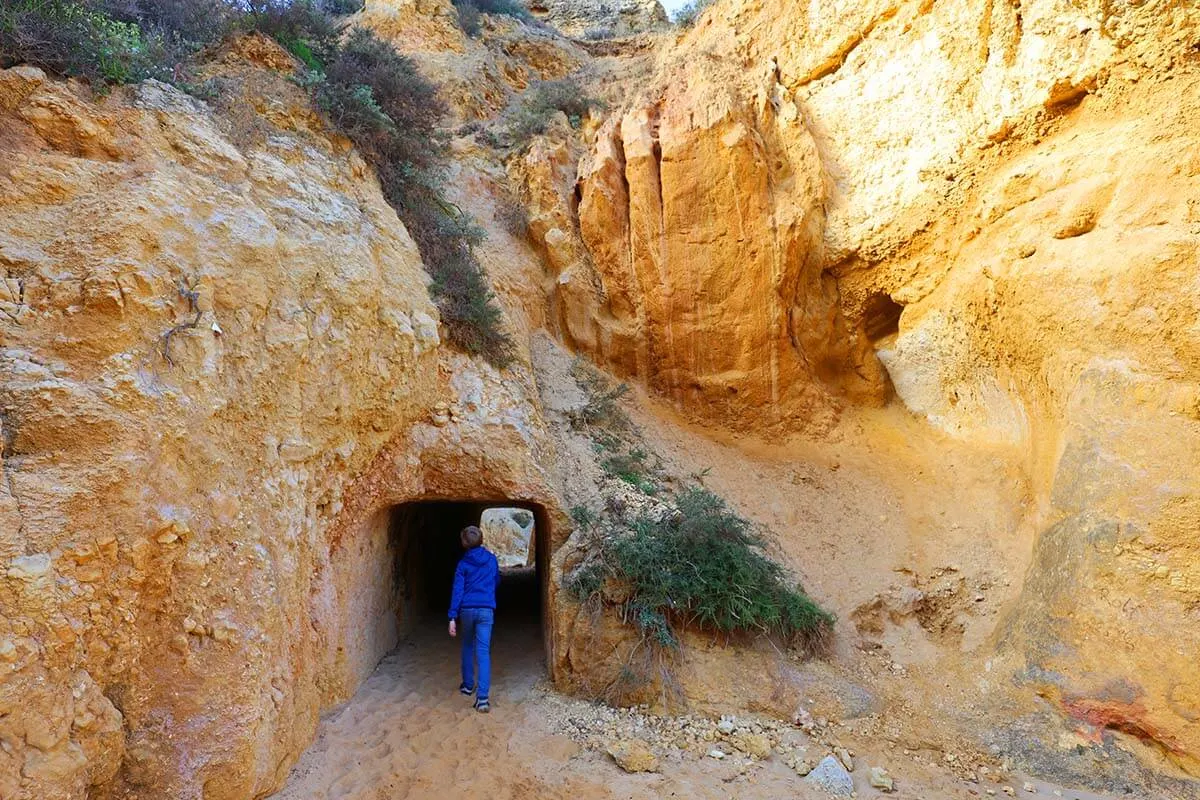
{"x": 221, "y": 368}
{"x": 990, "y": 210}
{"x": 701, "y": 217}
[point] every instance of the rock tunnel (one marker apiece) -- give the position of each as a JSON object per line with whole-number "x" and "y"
{"x": 424, "y": 540}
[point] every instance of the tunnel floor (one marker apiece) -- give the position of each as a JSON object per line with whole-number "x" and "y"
{"x": 408, "y": 732}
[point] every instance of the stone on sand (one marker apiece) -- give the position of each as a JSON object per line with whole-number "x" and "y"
{"x": 831, "y": 776}
{"x": 633, "y": 755}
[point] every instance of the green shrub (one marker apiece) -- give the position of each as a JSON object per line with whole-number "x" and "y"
{"x": 702, "y": 566}
{"x": 122, "y": 41}
{"x": 508, "y": 8}
{"x": 184, "y": 26}
{"x": 533, "y": 110}
{"x": 634, "y": 468}
{"x": 342, "y": 7}
{"x": 586, "y": 582}
{"x": 602, "y": 408}
{"x": 382, "y": 103}
{"x": 470, "y": 18}
{"x": 301, "y": 26}
{"x": 582, "y": 516}
{"x": 686, "y": 16}
{"x": 71, "y": 38}
{"x": 470, "y": 13}
{"x": 379, "y": 100}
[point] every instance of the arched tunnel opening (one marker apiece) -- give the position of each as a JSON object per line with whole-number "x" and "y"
{"x": 424, "y": 538}
{"x": 881, "y": 317}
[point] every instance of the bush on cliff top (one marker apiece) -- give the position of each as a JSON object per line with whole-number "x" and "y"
{"x": 73, "y": 39}
{"x": 686, "y": 16}
{"x": 470, "y": 11}
{"x": 370, "y": 93}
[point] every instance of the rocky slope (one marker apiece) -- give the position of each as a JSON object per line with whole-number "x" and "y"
{"x": 600, "y": 18}
{"x": 986, "y": 208}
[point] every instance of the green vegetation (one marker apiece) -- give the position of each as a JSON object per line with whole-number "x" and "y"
{"x": 701, "y": 566}
{"x": 667, "y": 558}
{"x": 602, "y": 408}
{"x": 532, "y": 112}
{"x": 687, "y": 16}
{"x": 636, "y": 467}
{"x": 74, "y": 39}
{"x": 470, "y": 12}
{"x": 368, "y": 92}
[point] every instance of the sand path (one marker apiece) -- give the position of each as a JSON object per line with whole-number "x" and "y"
{"x": 408, "y": 733}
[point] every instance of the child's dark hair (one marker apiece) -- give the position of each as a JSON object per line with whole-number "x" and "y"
{"x": 470, "y": 537}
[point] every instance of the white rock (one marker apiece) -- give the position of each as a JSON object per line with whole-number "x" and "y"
{"x": 29, "y": 568}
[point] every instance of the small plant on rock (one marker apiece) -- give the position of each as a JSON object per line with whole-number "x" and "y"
{"x": 602, "y": 408}
{"x": 686, "y": 16}
{"x": 512, "y": 215}
{"x": 532, "y": 112}
{"x": 635, "y": 468}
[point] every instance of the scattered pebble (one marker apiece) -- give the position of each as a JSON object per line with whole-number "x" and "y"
{"x": 831, "y": 776}
{"x": 880, "y": 779}
{"x": 633, "y": 755}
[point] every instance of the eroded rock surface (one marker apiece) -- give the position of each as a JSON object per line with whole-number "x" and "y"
{"x": 600, "y": 19}
{"x": 220, "y": 369}
{"x": 986, "y": 208}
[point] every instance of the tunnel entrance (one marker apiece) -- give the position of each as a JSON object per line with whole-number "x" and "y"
{"x": 424, "y": 539}
{"x": 881, "y": 317}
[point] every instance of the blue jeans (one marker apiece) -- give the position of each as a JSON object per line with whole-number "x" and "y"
{"x": 476, "y": 625}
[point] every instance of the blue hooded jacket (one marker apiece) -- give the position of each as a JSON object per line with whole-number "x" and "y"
{"x": 475, "y": 581}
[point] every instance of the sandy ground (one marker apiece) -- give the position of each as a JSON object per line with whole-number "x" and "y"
{"x": 407, "y": 733}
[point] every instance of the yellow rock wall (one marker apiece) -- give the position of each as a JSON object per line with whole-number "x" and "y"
{"x": 989, "y": 208}
{"x": 220, "y": 368}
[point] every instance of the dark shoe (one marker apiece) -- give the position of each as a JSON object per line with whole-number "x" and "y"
{"x": 464, "y": 689}
{"x": 482, "y": 706}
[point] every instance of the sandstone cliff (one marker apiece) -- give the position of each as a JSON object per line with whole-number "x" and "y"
{"x": 987, "y": 208}
{"x": 221, "y": 368}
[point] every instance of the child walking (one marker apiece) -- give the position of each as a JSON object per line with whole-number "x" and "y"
{"x": 473, "y": 603}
